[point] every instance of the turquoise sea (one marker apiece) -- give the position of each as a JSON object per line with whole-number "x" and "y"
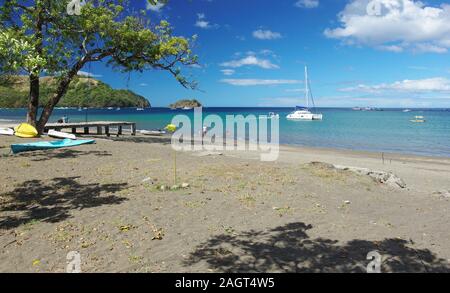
{"x": 389, "y": 130}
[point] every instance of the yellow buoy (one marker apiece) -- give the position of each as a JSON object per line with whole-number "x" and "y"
{"x": 171, "y": 128}
{"x": 26, "y": 130}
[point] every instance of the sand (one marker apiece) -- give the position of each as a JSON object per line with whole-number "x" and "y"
{"x": 237, "y": 215}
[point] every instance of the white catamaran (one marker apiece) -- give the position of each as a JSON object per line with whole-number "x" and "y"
{"x": 304, "y": 113}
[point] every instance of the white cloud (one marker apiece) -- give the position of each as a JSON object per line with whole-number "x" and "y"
{"x": 395, "y": 25}
{"x": 196, "y": 66}
{"x": 155, "y": 8}
{"x": 255, "y": 82}
{"x": 88, "y": 74}
{"x": 436, "y": 84}
{"x": 250, "y": 61}
{"x": 392, "y": 48}
{"x": 203, "y": 23}
{"x": 307, "y": 4}
{"x": 228, "y": 71}
{"x": 266, "y": 35}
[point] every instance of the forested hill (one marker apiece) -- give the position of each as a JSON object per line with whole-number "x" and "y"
{"x": 83, "y": 92}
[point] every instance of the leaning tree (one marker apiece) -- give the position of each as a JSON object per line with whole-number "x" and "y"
{"x": 40, "y": 38}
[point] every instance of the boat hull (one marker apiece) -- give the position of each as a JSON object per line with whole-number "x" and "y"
{"x": 152, "y": 133}
{"x": 305, "y": 117}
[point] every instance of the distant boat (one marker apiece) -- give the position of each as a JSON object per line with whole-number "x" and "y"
{"x": 139, "y": 109}
{"x": 419, "y": 119}
{"x": 304, "y": 113}
{"x": 406, "y": 111}
{"x": 118, "y": 109}
{"x": 187, "y": 108}
{"x": 366, "y": 109}
{"x": 110, "y": 108}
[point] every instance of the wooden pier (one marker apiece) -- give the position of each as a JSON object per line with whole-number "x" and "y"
{"x": 100, "y": 126}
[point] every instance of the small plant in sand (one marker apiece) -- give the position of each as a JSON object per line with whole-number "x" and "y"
{"x": 282, "y": 211}
{"x": 229, "y": 230}
{"x": 171, "y": 129}
{"x": 195, "y": 204}
{"x": 125, "y": 228}
{"x": 135, "y": 259}
{"x": 127, "y": 244}
{"x": 158, "y": 234}
{"x": 247, "y": 200}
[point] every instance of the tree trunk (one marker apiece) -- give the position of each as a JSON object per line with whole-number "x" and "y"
{"x": 48, "y": 109}
{"x": 33, "y": 100}
{"x": 63, "y": 86}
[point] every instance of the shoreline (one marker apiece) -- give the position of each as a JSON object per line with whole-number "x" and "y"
{"x": 368, "y": 153}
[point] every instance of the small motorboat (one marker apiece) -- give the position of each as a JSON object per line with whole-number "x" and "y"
{"x": 419, "y": 119}
{"x": 48, "y": 145}
{"x": 58, "y": 134}
{"x": 406, "y": 111}
{"x": 153, "y": 132}
{"x": 139, "y": 109}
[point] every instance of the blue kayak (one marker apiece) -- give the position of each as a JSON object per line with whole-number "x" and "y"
{"x": 48, "y": 145}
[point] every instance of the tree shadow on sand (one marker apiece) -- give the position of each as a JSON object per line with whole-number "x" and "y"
{"x": 39, "y": 156}
{"x": 164, "y": 140}
{"x": 289, "y": 249}
{"x": 52, "y": 201}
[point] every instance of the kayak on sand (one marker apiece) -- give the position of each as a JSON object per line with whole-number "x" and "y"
{"x": 26, "y": 130}
{"x": 48, "y": 145}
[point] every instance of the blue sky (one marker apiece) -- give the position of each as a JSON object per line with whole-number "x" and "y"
{"x": 387, "y": 53}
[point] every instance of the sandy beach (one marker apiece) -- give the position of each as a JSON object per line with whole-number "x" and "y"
{"x": 237, "y": 214}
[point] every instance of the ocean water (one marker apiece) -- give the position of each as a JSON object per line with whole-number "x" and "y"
{"x": 380, "y": 131}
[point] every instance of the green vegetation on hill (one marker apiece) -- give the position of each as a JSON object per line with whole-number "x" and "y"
{"x": 185, "y": 103}
{"x": 83, "y": 92}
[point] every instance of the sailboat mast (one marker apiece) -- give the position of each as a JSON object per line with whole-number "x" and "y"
{"x": 306, "y": 87}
